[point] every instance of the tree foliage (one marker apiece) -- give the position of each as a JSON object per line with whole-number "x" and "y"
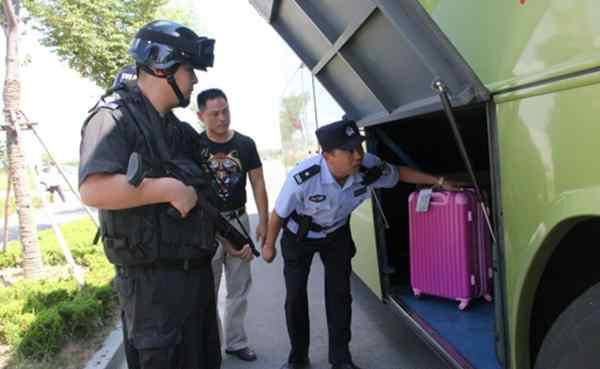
{"x": 17, "y": 7}
{"x": 290, "y": 115}
{"x": 93, "y": 36}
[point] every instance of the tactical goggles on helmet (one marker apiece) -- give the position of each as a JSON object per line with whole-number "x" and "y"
{"x": 198, "y": 52}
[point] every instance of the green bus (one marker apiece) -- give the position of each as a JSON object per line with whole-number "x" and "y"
{"x": 523, "y": 81}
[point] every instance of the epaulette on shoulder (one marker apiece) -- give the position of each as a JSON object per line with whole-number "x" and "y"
{"x": 307, "y": 173}
{"x": 112, "y": 102}
{"x": 115, "y": 97}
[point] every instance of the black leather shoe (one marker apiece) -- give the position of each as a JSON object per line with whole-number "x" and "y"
{"x": 245, "y": 354}
{"x": 344, "y": 366}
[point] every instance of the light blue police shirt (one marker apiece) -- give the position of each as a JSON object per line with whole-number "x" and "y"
{"x": 322, "y": 198}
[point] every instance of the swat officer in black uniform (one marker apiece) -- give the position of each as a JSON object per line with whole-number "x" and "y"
{"x": 164, "y": 279}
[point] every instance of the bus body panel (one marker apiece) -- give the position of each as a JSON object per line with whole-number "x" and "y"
{"x": 514, "y": 42}
{"x": 364, "y": 263}
{"x": 549, "y": 168}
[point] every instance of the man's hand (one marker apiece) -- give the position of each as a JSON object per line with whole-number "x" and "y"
{"x": 184, "y": 198}
{"x": 450, "y": 185}
{"x": 269, "y": 252}
{"x": 261, "y": 233}
{"x": 245, "y": 253}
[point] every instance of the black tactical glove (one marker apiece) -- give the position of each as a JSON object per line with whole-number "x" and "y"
{"x": 371, "y": 175}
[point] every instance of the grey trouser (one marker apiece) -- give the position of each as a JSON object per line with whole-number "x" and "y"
{"x": 239, "y": 280}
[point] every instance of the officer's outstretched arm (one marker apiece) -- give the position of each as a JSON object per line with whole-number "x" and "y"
{"x": 112, "y": 191}
{"x": 411, "y": 175}
{"x": 268, "y": 249}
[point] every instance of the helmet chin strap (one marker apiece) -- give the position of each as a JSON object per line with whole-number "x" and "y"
{"x": 183, "y": 101}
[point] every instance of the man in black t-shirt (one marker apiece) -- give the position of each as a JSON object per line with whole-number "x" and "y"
{"x": 230, "y": 157}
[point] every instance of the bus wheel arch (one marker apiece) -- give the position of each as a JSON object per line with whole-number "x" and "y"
{"x": 571, "y": 341}
{"x": 563, "y": 270}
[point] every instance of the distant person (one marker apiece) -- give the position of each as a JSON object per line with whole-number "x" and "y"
{"x": 52, "y": 180}
{"x": 231, "y": 157}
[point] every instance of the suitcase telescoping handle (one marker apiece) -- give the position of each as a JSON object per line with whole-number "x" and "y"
{"x": 439, "y": 198}
{"x": 441, "y": 88}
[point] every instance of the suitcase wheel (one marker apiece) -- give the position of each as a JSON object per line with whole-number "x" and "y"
{"x": 417, "y": 292}
{"x": 463, "y": 303}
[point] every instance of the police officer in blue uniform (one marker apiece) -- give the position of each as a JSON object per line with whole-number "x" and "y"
{"x": 314, "y": 208}
{"x": 164, "y": 279}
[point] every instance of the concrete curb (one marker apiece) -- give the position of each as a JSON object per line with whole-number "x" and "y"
{"x": 111, "y": 355}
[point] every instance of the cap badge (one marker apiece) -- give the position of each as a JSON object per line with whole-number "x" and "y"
{"x": 349, "y": 131}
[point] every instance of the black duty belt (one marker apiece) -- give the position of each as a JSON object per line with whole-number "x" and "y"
{"x": 232, "y": 214}
{"x": 174, "y": 265}
{"x": 312, "y": 226}
{"x": 328, "y": 236}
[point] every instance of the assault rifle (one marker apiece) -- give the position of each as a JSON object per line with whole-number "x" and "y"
{"x": 190, "y": 174}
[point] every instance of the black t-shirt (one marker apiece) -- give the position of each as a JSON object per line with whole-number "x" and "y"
{"x": 109, "y": 138}
{"x": 229, "y": 163}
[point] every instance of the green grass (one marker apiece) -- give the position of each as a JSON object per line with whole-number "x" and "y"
{"x": 40, "y": 318}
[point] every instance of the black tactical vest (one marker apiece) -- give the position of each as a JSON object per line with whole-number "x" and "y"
{"x": 148, "y": 234}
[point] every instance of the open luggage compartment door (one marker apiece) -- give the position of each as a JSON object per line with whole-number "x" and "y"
{"x": 377, "y": 58}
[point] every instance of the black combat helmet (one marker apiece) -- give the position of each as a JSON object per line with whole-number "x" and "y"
{"x": 165, "y": 44}
{"x": 162, "y": 44}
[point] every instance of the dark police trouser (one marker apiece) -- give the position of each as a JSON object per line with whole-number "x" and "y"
{"x": 336, "y": 252}
{"x": 169, "y": 317}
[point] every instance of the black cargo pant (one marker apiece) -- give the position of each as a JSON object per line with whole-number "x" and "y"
{"x": 336, "y": 253}
{"x": 169, "y": 318}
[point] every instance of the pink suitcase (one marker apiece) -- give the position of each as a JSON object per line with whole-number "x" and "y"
{"x": 450, "y": 248}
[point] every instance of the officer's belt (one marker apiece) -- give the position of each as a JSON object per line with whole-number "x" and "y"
{"x": 232, "y": 214}
{"x": 328, "y": 236}
{"x": 312, "y": 226}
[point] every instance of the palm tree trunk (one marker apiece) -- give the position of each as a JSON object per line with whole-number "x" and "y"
{"x": 32, "y": 256}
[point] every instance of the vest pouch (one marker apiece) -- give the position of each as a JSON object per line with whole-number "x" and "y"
{"x": 128, "y": 236}
{"x": 186, "y": 238}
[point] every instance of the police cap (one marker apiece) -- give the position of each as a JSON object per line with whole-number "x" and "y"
{"x": 342, "y": 134}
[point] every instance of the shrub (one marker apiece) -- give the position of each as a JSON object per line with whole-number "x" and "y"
{"x": 11, "y": 257}
{"x": 44, "y": 337}
{"x": 37, "y": 318}
{"x": 81, "y": 315}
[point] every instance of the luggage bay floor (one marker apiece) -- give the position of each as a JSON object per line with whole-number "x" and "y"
{"x": 470, "y": 331}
